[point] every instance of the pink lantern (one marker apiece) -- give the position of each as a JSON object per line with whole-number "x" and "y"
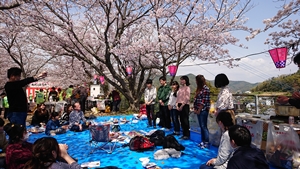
{"x": 102, "y": 80}
{"x": 95, "y": 77}
{"x": 279, "y": 56}
{"x": 129, "y": 70}
{"x": 172, "y": 70}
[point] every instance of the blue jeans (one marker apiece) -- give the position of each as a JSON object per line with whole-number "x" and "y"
{"x": 17, "y": 117}
{"x": 175, "y": 120}
{"x": 202, "y": 118}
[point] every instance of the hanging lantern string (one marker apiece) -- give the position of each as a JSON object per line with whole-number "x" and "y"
{"x": 236, "y": 59}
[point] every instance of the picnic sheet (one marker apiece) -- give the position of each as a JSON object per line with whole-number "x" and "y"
{"x": 79, "y": 147}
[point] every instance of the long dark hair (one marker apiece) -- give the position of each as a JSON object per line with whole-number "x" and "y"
{"x": 200, "y": 81}
{"x": 187, "y": 80}
{"x": 177, "y": 84}
{"x": 15, "y": 132}
{"x": 67, "y": 108}
{"x": 42, "y": 153}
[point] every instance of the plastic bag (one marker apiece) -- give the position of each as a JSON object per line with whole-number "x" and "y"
{"x": 283, "y": 146}
{"x": 193, "y": 120}
{"x": 255, "y": 128}
{"x": 215, "y": 133}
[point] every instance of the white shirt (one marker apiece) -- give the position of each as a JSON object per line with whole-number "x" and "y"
{"x": 150, "y": 94}
{"x": 225, "y": 100}
{"x": 172, "y": 100}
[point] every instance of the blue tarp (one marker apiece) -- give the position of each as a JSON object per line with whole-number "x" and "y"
{"x": 122, "y": 157}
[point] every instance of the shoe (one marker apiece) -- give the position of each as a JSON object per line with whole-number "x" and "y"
{"x": 184, "y": 138}
{"x": 200, "y": 144}
{"x": 205, "y": 145}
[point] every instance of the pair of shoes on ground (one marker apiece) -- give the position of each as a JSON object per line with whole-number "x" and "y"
{"x": 184, "y": 138}
{"x": 203, "y": 145}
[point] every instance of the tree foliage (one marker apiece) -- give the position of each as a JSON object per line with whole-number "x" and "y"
{"x": 289, "y": 28}
{"x": 283, "y": 83}
{"x": 84, "y": 37}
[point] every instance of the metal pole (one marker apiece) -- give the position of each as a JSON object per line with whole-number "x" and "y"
{"x": 256, "y": 104}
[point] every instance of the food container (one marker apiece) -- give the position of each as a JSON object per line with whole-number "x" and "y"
{"x": 286, "y": 110}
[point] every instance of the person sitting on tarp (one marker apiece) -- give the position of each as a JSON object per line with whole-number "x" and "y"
{"x": 64, "y": 117}
{"x": 245, "y": 156}
{"x": 295, "y": 100}
{"x": 143, "y": 113}
{"x": 53, "y": 127}
{"x": 224, "y": 121}
{"x": 41, "y": 115}
{"x": 77, "y": 121}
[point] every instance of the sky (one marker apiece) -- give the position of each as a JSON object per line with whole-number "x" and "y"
{"x": 253, "y": 69}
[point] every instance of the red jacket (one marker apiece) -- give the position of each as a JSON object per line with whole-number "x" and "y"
{"x": 18, "y": 154}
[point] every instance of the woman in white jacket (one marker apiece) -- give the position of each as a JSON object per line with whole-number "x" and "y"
{"x": 225, "y": 150}
{"x": 225, "y": 99}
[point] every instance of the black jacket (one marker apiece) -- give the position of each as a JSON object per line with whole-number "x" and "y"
{"x": 248, "y": 158}
{"x": 16, "y": 96}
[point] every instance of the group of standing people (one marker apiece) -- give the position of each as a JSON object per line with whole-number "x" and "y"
{"x": 174, "y": 104}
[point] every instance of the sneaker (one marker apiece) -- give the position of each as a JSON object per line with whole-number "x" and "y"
{"x": 200, "y": 144}
{"x": 206, "y": 145}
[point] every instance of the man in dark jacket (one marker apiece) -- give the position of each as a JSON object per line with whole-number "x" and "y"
{"x": 17, "y": 100}
{"x": 245, "y": 156}
{"x": 163, "y": 95}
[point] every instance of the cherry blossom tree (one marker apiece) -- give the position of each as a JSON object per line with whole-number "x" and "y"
{"x": 106, "y": 36}
{"x": 289, "y": 35}
{"x": 18, "y": 46}
{"x": 10, "y": 4}
{"x": 148, "y": 35}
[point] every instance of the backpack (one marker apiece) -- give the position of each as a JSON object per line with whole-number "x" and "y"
{"x": 171, "y": 142}
{"x": 140, "y": 143}
{"x": 157, "y": 137}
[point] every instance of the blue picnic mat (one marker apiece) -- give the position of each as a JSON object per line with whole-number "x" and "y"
{"x": 122, "y": 157}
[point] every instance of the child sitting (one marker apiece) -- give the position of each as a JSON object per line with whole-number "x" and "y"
{"x": 53, "y": 127}
{"x": 143, "y": 114}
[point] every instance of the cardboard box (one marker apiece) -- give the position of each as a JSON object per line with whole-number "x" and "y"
{"x": 286, "y": 110}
